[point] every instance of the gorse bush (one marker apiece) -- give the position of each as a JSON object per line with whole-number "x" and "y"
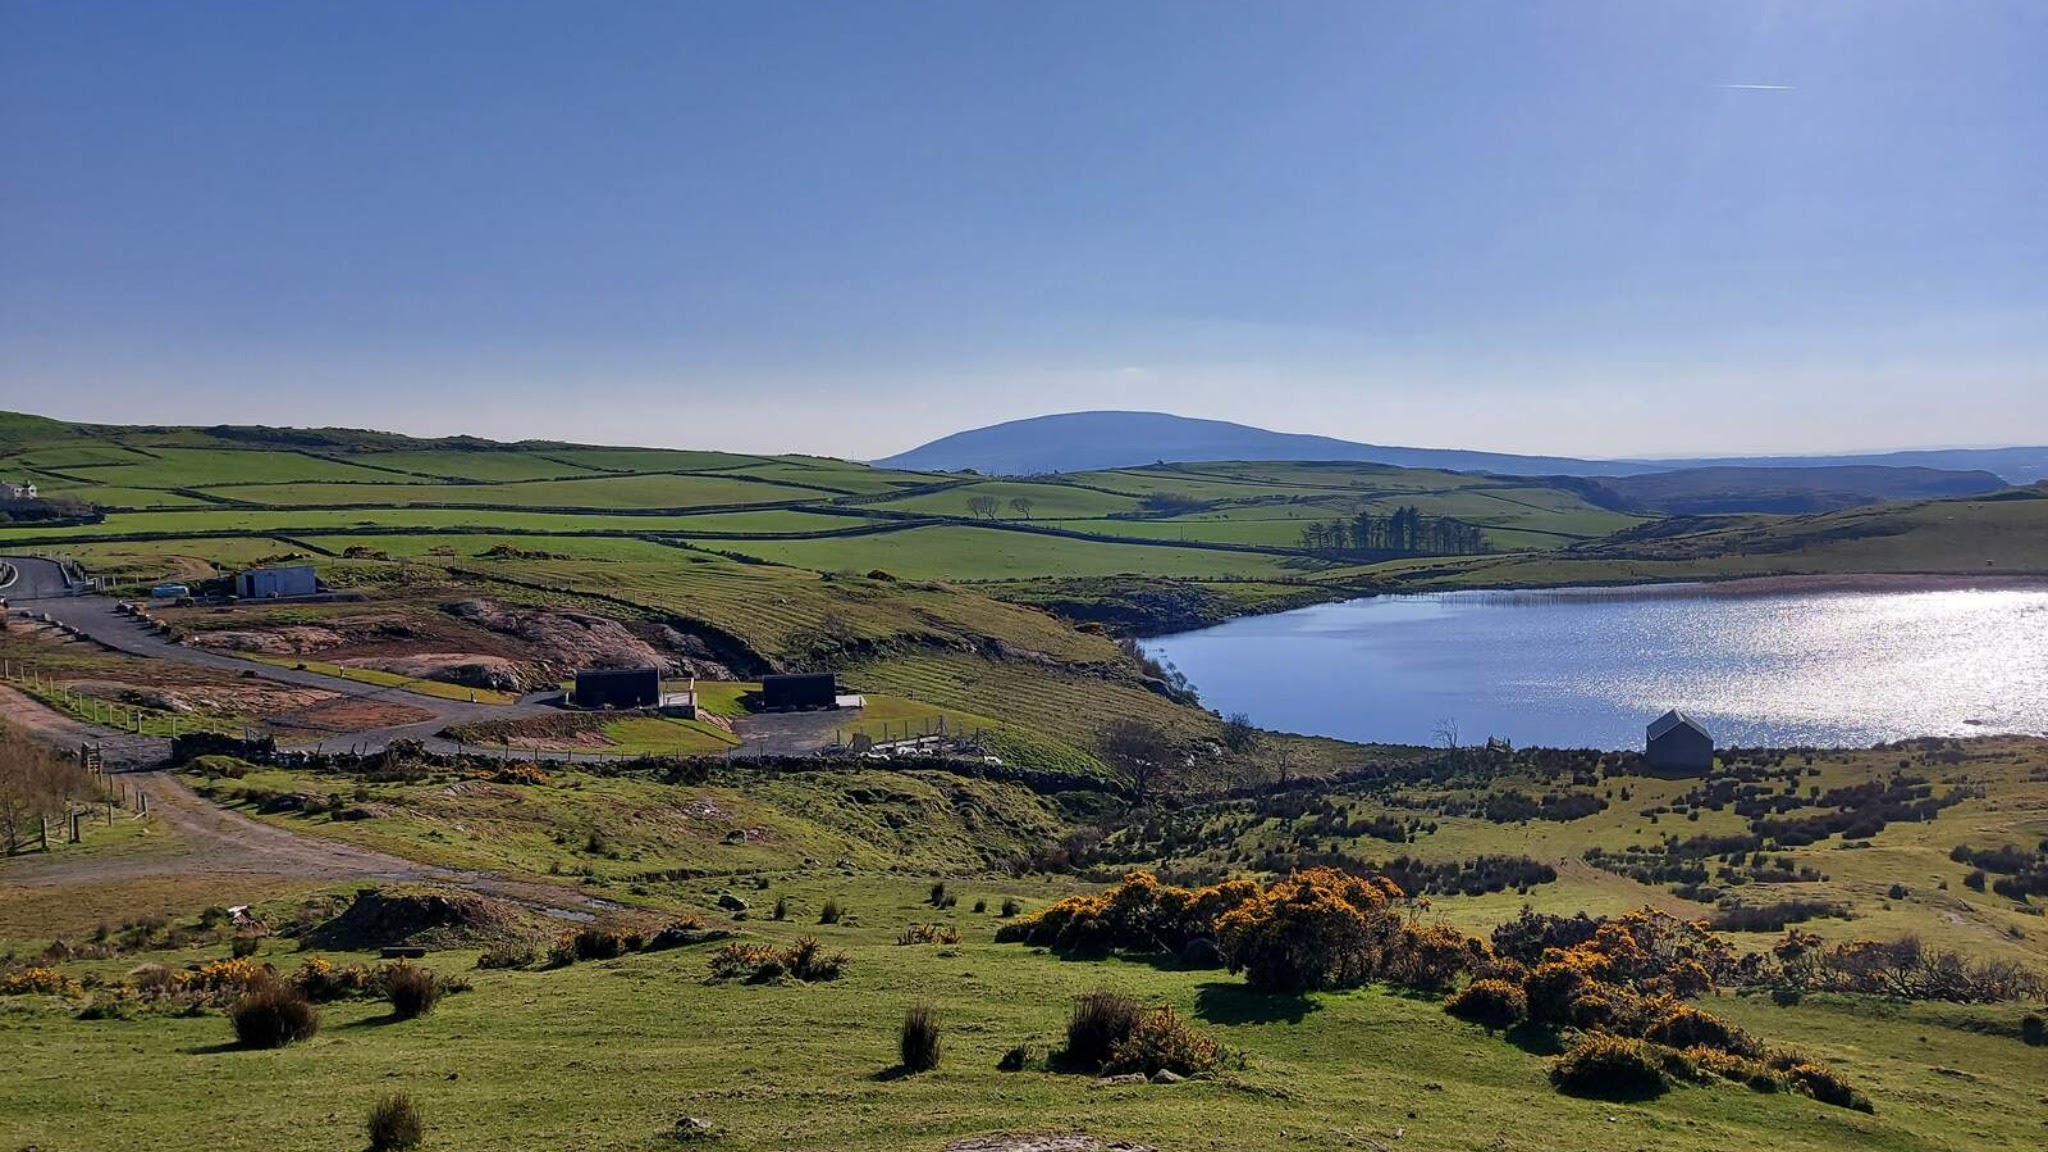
{"x": 1318, "y": 928}
{"x": 917, "y": 1043}
{"x": 394, "y": 1124}
{"x": 1160, "y": 1041}
{"x": 1609, "y": 1068}
{"x": 1825, "y": 1086}
{"x": 273, "y": 1016}
{"x": 413, "y": 991}
{"x": 1494, "y": 1003}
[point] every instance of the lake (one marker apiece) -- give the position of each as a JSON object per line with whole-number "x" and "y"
{"x": 1591, "y": 667}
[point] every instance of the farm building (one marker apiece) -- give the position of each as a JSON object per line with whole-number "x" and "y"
{"x": 617, "y": 688}
{"x": 273, "y": 583}
{"x": 26, "y": 490}
{"x": 1676, "y": 744}
{"x": 800, "y": 690}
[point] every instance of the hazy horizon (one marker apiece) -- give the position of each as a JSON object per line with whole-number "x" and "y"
{"x": 1598, "y": 229}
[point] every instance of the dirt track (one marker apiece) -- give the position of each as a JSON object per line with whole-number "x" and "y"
{"x": 205, "y": 839}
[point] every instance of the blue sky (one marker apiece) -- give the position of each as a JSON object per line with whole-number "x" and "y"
{"x": 1603, "y": 228}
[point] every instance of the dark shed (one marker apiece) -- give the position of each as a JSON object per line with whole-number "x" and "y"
{"x": 618, "y": 688}
{"x": 801, "y": 690}
{"x": 1677, "y": 744}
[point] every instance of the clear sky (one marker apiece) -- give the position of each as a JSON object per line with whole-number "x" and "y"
{"x": 1599, "y": 227}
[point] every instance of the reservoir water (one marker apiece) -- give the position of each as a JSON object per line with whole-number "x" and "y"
{"x": 1590, "y": 667}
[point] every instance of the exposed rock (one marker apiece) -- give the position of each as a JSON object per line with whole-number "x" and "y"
{"x": 564, "y": 640}
{"x": 464, "y": 668}
{"x": 289, "y": 640}
{"x": 1118, "y": 1081}
{"x": 731, "y": 903}
{"x": 1167, "y": 1076}
{"x": 692, "y": 1128}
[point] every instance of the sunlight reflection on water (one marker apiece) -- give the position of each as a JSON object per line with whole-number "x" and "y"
{"x": 1585, "y": 668}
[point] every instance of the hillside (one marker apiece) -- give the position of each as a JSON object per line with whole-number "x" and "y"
{"x": 1703, "y": 491}
{"x": 1083, "y": 441}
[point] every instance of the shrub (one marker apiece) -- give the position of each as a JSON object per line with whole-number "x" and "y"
{"x": 781, "y": 911}
{"x": 1100, "y": 1021}
{"x": 1825, "y": 1086}
{"x": 394, "y": 1124}
{"x": 830, "y": 913}
{"x": 1318, "y": 928}
{"x": 1495, "y": 1004}
{"x": 519, "y": 954}
{"x": 804, "y": 960}
{"x": 413, "y": 991}
{"x": 929, "y": 934}
{"x": 807, "y": 960}
{"x": 272, "y": 1016}
{"x": 1609, "y": 1068}
{"x": 1683, "y": 1026}
{"x": 938, "y": 895}
{"x": 1160, "y": 1040}
{"x": 245, "y": 945}
{"x": 2034, "y": 1030}
{"x": 321, "y": 980}
{"x": 1550, "y": 991}
{"x": 1011, "y": 907}
{"x": 917, "y": 1044}
{"x": 980, "y": 906}
{"x": 1016, "y": 1059}
{"x": 39, "y": 982}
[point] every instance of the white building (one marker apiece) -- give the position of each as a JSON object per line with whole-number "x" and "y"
{"x": 19, "y": 491}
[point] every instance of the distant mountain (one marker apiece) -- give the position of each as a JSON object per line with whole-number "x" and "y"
{"x": 1713, "y": 491}
{"x": 1085, "y": 441}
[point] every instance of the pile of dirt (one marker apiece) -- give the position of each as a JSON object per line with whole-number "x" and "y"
{"x": 564, "y": 641}
{"x": 434, "y": 917}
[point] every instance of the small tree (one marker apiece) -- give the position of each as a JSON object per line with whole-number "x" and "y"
{"x": 982, "y": 506}
{"x": 1022, "y": 507}
{"x": 1240, "y": 735}
{"x": 1140, "y": 750}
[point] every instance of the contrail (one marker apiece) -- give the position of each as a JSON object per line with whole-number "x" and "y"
{"x": 1760, "y": 87}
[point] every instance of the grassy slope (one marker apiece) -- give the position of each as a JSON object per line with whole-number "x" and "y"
{"x": 808, "y": 1069}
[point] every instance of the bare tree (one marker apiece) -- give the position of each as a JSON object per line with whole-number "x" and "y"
{"x": 1022, "y": 506}
{"x": 982, "y": 506}
{"x": 1141, "y": 751}
{"x": 1447, "y": 734}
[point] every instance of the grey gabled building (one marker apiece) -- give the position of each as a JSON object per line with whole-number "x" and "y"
{"x": 1676, "y": 744}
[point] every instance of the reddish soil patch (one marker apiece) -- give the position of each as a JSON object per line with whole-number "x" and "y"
{"x": 355, "y": 713}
